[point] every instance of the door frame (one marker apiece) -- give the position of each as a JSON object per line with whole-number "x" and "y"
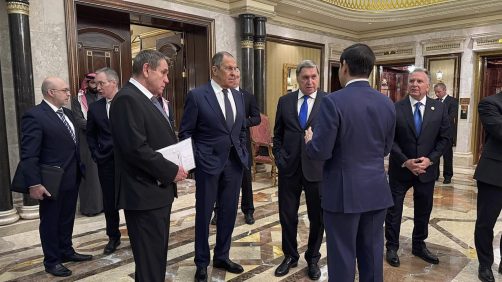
{"x": 478, "y": 84}
{"x": 331, "y": 64}
{"x": 125, "y": 7}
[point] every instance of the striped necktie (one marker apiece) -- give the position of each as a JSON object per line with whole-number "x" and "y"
{"x": 65, "y": 122}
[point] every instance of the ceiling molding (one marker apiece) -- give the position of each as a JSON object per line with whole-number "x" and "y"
{"x": 391, "y": 52}
{"x": 439, "y": 46}
{"x": 487, "y": 42}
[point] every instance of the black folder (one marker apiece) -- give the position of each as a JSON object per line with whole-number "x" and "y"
{"x": 51, "y": 180}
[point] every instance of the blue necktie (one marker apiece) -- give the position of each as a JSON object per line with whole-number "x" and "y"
{"x": 65, "y": 122}
{"x": 417, "y": 117}
{"x": 304, "y": 110}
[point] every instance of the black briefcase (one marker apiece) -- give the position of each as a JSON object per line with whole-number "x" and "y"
{"x": 51, "y": 180}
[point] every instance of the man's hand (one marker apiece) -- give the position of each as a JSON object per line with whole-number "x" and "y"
{"x": 37, "y": 192}
{"x": 414, "y": 165}
{"x": 424, "y": 163}
{"x": 308, "y": 134}
{"x": 181, "y": 175}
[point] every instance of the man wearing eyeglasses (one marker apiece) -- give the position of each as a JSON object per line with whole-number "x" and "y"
{"x": 214, "y": 119}
{"x": 49, "y": 136}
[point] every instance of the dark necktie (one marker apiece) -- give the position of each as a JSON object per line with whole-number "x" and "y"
{"x": 417, "y": 117}
{"x": 229, "y": 114}
{"x": 65, "y": 122}
{"x": 304, "y": 110}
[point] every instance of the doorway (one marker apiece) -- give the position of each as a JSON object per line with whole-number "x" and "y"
{"x": 392, "y": 79}
{"x": 109, "y": 34}
{"x": 334, "y": 80}
{"x": 488, "y": 82}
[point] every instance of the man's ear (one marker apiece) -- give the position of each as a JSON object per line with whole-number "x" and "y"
{"x": 146, "y": 67}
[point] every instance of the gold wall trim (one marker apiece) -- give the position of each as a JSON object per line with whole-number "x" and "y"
{"x": 382, "y": 5}
{"x": 18, "y": 8}
{"x": 248, "y": 44}
{"x": 259, "y": 45}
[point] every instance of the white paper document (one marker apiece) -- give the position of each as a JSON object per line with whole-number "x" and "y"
{"x": 180, "y": 153}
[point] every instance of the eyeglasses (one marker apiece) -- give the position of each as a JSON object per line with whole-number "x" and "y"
{"x": 102, "y": 83}
{"x": 64, "y": 90}
{"x": 230, "y": 69}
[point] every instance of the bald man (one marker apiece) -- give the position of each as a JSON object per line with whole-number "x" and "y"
{"x": 49, "y": 137}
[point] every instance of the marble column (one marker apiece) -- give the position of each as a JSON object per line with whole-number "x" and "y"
{"x": 259, "y": 61}
{"x": 247, "y": 61}
{"x": 7, "y": 212}
{"x": 22, "y": 72}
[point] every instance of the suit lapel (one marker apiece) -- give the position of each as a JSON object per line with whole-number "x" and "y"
{"x": 213, "y": 103}
{"x": 315, "y": 108}
{"x": 56, "y": 120}
{"x": 428, "y": 112}
{"x": 406, "y": 108}
{"x": 294, "y": 105}
{"x": 239, "y": 105}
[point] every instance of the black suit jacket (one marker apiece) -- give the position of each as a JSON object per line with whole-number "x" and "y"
{"x": 289, "y": 142}
{"x": 81, "y": 122}
{"x": 143, "y": 177}
{"x": 99, "y": 136}
{"x": 431, "y": 143}
{"x": 46, "y": 140}
{"x": 252, "y": 117}
{"x": 489, "y": 169}
{"x": 451, "y": 105}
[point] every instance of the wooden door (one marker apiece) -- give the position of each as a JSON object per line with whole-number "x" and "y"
{"x": 334, "y": 80}
{"x": 103, "y": 40}
{"x": 492, "y": 84}
{"x": 175, "y": 92}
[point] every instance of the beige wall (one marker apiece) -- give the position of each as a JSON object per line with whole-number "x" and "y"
{"x": 277, "y": 55}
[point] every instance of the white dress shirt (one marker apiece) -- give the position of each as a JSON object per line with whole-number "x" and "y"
{"x": 218, "y": 90}
{"x": 310, "y": 102}
{"x": 422, "y": 107}
{"x": 55, "y": 109}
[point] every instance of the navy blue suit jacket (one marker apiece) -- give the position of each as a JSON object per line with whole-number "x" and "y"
{"x": 353, "y": 132}
{"x": 99, "y": 135}
{"x": 289, "y": 142}
{"x": 46, "y": 140}
{"x": 204, "y": 121}
{"x": 434, "y": 138}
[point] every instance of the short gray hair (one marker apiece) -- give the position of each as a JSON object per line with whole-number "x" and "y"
{"x": 305, "y": 64}
{"x": 440, "y": 85}
{"x": 150, "y": 57}
{"x": 422, "y": 70}
{"x": 110, "y": 73}
{"x": 218, "y": 58}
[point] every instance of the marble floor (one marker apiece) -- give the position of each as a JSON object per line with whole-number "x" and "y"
{"x": 257, "y": 247}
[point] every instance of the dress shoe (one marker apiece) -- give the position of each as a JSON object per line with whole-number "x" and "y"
{"x": 248, "y": 217}
{"x": 228, "y": 265}
{"x": 77, "y": 257}
{"x": 446, "y": 181}
{"x": 426, "y": 255}
{"x": 285, "y": 265}
{"x": 112, "y": 245}
{"x": 485, "y": 274}
{"x": 313, "y": 271}
{"x": 58, "y": 270}
{"x": 200, "y": 274}
{"x": 214, "y": 220}
{"x": 392, "y": 258}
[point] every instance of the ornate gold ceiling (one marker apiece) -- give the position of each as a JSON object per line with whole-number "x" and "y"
{"x": 382, "y": 5}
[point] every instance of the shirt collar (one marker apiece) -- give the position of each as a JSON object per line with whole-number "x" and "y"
{"x": 54, "y": 108}
{"x": 413, "y": 101}
{"x": 141, "y": 88}
{"x": 300, "y": 95}
{"x": 216, "y": 87}
{"x": 356, "y": 80}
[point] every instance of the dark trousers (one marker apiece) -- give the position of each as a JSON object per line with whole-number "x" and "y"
{"x": 422, "y": 207}
{"x": 224, "y": 187}
{"x": 106, "y": 171}
{"x": 351, "y": 236}
{"x": 149, "y": 236}
{"x": 447, "y": 163}
{"x": 247, "y": 205}
{"x": 489, "y": 206}
{"x": 290, "y": 190}
{"x": 56, "y": 226}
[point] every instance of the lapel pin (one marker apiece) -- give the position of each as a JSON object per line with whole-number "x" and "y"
{"x": 432, "y": 108}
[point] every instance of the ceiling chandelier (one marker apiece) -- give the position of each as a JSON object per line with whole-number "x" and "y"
{"x": 382, "y": 5}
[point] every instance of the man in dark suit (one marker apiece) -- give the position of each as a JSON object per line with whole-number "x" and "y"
{"x": 214, "y": 119}
{"x": 49, "y": 136}
{"x": 100, "y": 143}
{"x": 422, "y": 134}
{"x": 252, "y": 119}
{"x": 145, "y": 180}
{"x": 353, "y": 133}
{"x": 451, "y": 105}
{"x": 296, "y": 111}
{"x": 489, "y": 178}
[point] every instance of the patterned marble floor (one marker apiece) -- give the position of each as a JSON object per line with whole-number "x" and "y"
{"x": 257, "y": 247}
